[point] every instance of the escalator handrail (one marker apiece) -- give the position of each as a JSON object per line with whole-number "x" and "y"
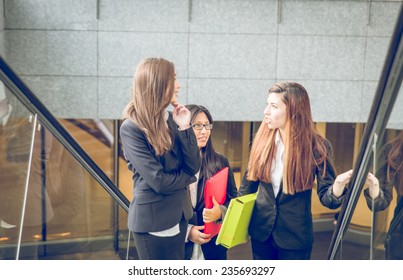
{"x": 385, "y": 96}
{"x": 33, "y": 104}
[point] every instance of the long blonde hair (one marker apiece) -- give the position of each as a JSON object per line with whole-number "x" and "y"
{"x": 304, "y": 148}
{"x": 153, "y": 89}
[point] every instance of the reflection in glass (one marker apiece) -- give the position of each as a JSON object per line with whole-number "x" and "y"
{"x": 51, "y": 207}
{"x": 16, "y": 134}
{"x": 390, "y": 177}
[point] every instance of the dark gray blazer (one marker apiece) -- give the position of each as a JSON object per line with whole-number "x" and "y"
{"x": 160, "y": 193}
{"x": 288, "y": 218}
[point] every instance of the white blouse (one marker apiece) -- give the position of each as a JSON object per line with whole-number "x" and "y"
{"x": 277, "y": 171}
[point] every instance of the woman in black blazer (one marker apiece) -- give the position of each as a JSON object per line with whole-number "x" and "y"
{"x": 200, "y": 245}
{"x": 379, "y": 193}
{"x": 161, "y": 150}
{"x": 287, "y": 155}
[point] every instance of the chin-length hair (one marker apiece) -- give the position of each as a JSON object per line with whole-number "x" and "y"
{"x": 211, "y": 162}
{"x": 153, "y": 89}
{"x": 395, "y": 162}
{"x": 304, "y": 147}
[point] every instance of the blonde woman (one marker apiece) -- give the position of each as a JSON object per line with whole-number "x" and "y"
{"x": 161, "y": 150}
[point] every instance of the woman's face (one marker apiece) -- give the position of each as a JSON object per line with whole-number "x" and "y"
{"x": 174, "y": 100}
{"x": 203, "y": 134}
{"x": 275, "y": 114}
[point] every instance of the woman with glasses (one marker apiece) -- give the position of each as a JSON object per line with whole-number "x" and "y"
{"x": 199, "y": 245}
{"x": 287, "y": 156}
{"x": 161, "y": 150}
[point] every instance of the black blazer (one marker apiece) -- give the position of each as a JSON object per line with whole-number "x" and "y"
{"x": 288, "y": 218}
{"x": 211, "y": 251}
{"x": 160, "y": 193}
{"x": 394, "y": 237}
{"x": 386, "y": 187}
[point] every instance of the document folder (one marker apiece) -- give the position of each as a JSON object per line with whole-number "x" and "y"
{"x": 234, "y": 230}
{"x": 215, "y": 186}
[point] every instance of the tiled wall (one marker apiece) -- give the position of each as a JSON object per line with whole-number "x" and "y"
{"x": 79, "y": 56}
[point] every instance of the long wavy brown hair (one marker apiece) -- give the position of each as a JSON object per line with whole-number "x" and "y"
{"x": 395, "y": 162}
{"x": 304, "y": 147}
{"x": 153, "y": 88}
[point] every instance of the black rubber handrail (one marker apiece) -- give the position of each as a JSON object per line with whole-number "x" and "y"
{"x": 46, "y": 118}
{"x": 385, "y": 96}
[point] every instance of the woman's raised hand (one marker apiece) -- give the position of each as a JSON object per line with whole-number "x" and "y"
{"x": 181, "y": 116}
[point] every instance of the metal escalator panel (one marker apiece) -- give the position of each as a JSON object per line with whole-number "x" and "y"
{"x": 16, "y": 130}
{"x": 55, "y": 201}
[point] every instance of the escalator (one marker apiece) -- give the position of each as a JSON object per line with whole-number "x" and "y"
{"x": 55, "y": 200}
{"x": 57, "y": 203}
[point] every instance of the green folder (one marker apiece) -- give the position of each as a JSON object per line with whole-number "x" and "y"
{"x": 234, "y": 229}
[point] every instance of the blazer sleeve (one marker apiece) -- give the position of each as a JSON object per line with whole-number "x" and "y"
{"x": 190, "y": 151}
{"x": 139, "y": 154}
{"x": 386, "y": 188}
{"x": 325, "y": 181}
{"x": 247, "y": 186}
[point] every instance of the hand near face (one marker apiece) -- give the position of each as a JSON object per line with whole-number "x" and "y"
{"x": 181, "y": 116}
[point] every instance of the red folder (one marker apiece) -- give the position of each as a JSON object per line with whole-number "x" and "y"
{"x": 215, "y": 186}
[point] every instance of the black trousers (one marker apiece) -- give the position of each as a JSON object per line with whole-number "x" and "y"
{"x": 151, "y": 247}
{"x": 268, "y": 250}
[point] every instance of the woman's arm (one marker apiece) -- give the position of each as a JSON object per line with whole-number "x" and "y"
{"x": 190, "y": 152}
{"x": 187, "y": 138}
{"x": 138, "y": 152}
{"x": 380, "y": 189}
{"x": 247, "y": 186}
{"x": 331, "y": 188}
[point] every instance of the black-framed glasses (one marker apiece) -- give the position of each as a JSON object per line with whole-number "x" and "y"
{"x": 199, "y": 126}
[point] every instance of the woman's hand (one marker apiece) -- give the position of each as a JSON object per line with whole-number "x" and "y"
{"x": 197, "y": 236}
{"x": 373, "y": 185}
{"x": 181, "y": 116}
{"x": 341, "y": 182}
{"x": 213, "y": 214}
